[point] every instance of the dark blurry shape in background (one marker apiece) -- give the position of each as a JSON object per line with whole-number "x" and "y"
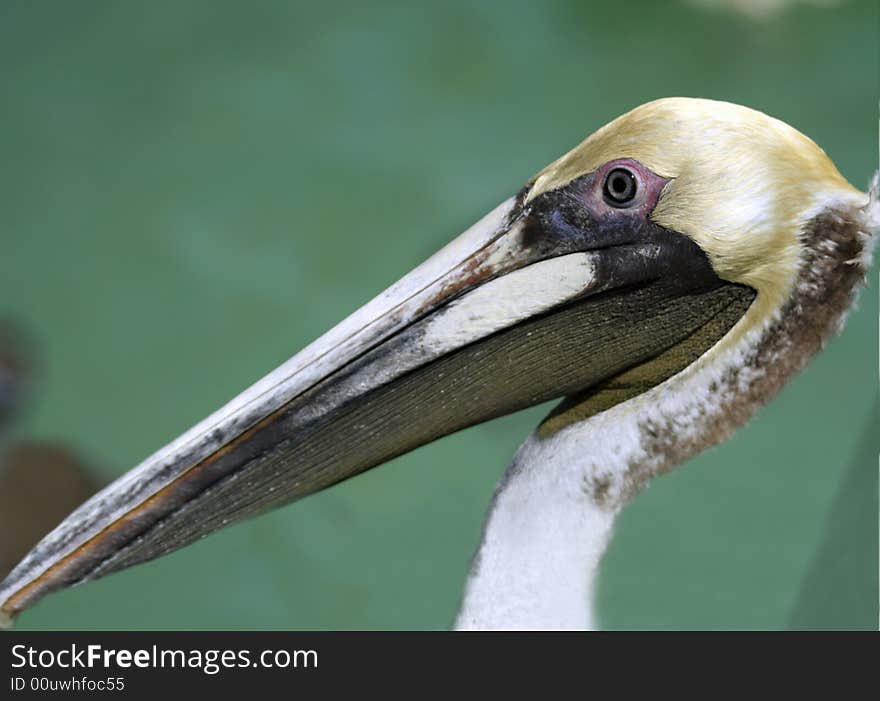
{"x": 839, "y": 591}
{"x": 16, "y": 371}
{"x": 40, "y": 482}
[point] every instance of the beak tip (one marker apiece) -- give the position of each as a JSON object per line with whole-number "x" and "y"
{"x": 6, "y": 619}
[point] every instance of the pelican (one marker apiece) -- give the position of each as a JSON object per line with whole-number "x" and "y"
{"x": 665, "y": 278}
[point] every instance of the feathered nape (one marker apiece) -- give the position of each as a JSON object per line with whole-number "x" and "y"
{"x": 870, "y": 224}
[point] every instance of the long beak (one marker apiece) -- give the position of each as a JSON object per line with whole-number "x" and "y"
{"x": 496, "y": 321}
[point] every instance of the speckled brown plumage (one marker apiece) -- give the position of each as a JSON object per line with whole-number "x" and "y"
{"x": 830, "y": 275}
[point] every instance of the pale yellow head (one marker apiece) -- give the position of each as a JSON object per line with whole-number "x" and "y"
{"x": 742, "y": 185}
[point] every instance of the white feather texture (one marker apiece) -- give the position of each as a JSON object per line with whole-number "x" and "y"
{"x": 870, "y": 223}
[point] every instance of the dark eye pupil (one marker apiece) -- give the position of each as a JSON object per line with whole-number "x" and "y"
{"x": 620, "y": 187}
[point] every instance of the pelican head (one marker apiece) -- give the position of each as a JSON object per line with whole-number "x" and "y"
{"x": 665, "y": 277}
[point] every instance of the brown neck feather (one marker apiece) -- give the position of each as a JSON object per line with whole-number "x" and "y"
{"x": 830, "y": 275}
{"x": 631, "y": 428}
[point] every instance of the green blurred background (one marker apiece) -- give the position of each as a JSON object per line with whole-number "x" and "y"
{"x": 192, "y": 191}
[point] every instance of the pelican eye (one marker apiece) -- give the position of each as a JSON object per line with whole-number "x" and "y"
{"x": 620, "y": 187}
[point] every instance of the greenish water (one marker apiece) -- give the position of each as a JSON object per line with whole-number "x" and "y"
{"x": 192, "y": 191}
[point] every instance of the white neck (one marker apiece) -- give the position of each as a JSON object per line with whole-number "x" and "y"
{"x": 542, "y": 543}
{"x": 553, "y": 511}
